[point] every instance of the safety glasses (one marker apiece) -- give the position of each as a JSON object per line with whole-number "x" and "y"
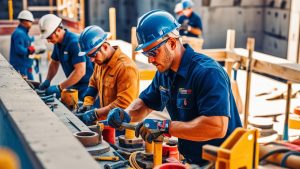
{"x": 93, "y": 55}
{"x": 153, "y": 52}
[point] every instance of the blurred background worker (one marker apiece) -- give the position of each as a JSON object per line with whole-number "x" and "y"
{"x": 77, "y": 69}
{"x": 21, "y": 47}
{"x": 178, "y": 10}
{"x": 191, "y": 24}
{"x": 115, "y": 78}
{"x": 194, "y": 88}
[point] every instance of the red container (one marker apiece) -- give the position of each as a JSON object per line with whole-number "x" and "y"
{"x": 171, "y": 151}
{"x": 171, "y": 166}
{"x": 108, "y": 134}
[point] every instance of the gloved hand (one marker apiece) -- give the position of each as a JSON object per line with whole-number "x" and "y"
{"x": 184, "y": 25}
{"x": 116, "y": 116}
{"x": 89, "y": 116}
{"x": 53, "y": 89}
{"x": 150, "y": 129}
{"x": 31, "y": 49}
{"x": 83, "y": 109}
{"x": 44, "y": 85}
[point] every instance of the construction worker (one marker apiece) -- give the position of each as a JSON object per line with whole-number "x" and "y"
{"x": 77, "y": 69}
{"x": 178, "y": 10}
{"x": 194, "y": 88}
{"x": 21, "y": 47}
{"x": 115, "y": 78}
{"x": 191, "y": 24}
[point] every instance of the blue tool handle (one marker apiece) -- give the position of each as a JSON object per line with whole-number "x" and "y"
{"x": 115, "y": 165}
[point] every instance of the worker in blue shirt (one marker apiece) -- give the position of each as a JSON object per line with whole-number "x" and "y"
{"x": 191, "y": 24}
{"x": 21, "y": 47}
{"x": 194, "y": 88}
{"x": 77, "y": 69}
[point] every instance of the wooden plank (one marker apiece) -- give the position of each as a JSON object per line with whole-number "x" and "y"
{"x": 270, "y": 65}
{"x": 112, "y": 23}
{"x": 250, "y": 47}
{"x": 217, "y": 54}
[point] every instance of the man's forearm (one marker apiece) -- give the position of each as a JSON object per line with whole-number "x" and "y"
{"x": 74, "y": 77}
{"x": 202, "y": 128}
{"x": 195, "y": 31}
{"x": 138, "y": 110}
{"x": 53, "y": 68}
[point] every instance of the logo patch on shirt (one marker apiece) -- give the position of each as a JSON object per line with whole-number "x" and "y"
{"x": 65, "y": 52}
{"x": 163, "y": 89}
{"x": 185, "y": 91}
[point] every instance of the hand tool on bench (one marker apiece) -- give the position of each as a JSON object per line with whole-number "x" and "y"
{"x": 106, "y": 158}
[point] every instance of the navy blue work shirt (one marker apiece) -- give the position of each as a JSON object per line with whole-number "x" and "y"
{"x": 20, "y": 41}
{"x": 194, "y": 21}
{"x": 201, "y": 87}
{"x": 67, "y": 54}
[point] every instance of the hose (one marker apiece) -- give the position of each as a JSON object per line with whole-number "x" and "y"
{"x": 132, "y": 160}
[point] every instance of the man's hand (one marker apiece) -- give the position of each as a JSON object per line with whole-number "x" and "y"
{"x": 89, "y": 116}
{"x": 44, "y": 85}
{"x": 83, "y": 109}
{"x": 116, "y": 116}
{"x": 54, "y": 89}
{"x": 31, "y": 49}
{"x": 150, "y": 129}
{"x": 184, "y": 25}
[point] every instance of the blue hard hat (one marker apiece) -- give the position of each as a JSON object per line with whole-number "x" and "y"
{"x": 91, "y": 37}
{"x": 187, "y": 4}
{"x": 153, "y": 25}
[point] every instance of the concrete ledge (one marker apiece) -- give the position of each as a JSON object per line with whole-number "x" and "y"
{"x": 44, "y": 136}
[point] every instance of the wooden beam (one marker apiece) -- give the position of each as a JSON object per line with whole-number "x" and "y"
{"x": 112, "y": 23}
{"x": 133, "y": 42}
{"x": 250, "y": 47}
{"x": 270, "y": 65}
{"x": 217, "y": 54}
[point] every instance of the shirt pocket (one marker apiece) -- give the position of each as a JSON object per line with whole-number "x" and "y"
{"x": 65, "y": 57}
{"x": 184, "y": 101}
{"x": 109, "y": 82}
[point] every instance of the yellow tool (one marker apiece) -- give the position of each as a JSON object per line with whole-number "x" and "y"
{"x": 106, "y": 158}
{"x": 8, "y": 159}
{"x": 239, "y": 150}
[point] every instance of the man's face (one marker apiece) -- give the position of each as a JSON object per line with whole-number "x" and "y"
{"x": 98, "y": 56}
{"x": 27, "y": 24}
{"x": 54, "y": 37}
{"x": 161, "y": 57}
{"x": 187, "y": 12}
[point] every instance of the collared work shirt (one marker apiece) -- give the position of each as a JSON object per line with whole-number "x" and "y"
{"x": 200, "y": 87}
{"x": 117, "y": 81}
{"x": 67, "y": 54}
{"x": 194, "y": 21}
{"x": 19, "y": 55}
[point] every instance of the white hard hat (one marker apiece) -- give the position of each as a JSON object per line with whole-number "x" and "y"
{"x": 26, "y": 15}
{"x": 48, "y": 24}
{"x": 178, "y": 7}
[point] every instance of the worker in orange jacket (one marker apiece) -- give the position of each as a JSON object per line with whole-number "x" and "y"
{"x": 115, "y": 78}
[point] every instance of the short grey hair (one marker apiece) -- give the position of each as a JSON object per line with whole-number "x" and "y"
{"x": 174, "y": 34}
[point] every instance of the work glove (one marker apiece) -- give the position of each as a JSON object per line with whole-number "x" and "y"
{"x": 151, "y": 129}
{"x": 31, "y": 49}
{"x": 89, "y": 116}
{"x": 184, "y": 25}
{"x": 53, "y": 89}
{"x": 40, "y": 49}
{"x": 44, "y": 85}
{"x": 116, "y": 116}
{"x": 83, "y": 109}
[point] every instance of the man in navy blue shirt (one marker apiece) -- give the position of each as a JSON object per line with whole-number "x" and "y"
{"x": 194, "y": 88}
{"x": 191, "y": 24}
{"x": 21, "y": 47}
{"x": 77, "y": 69}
